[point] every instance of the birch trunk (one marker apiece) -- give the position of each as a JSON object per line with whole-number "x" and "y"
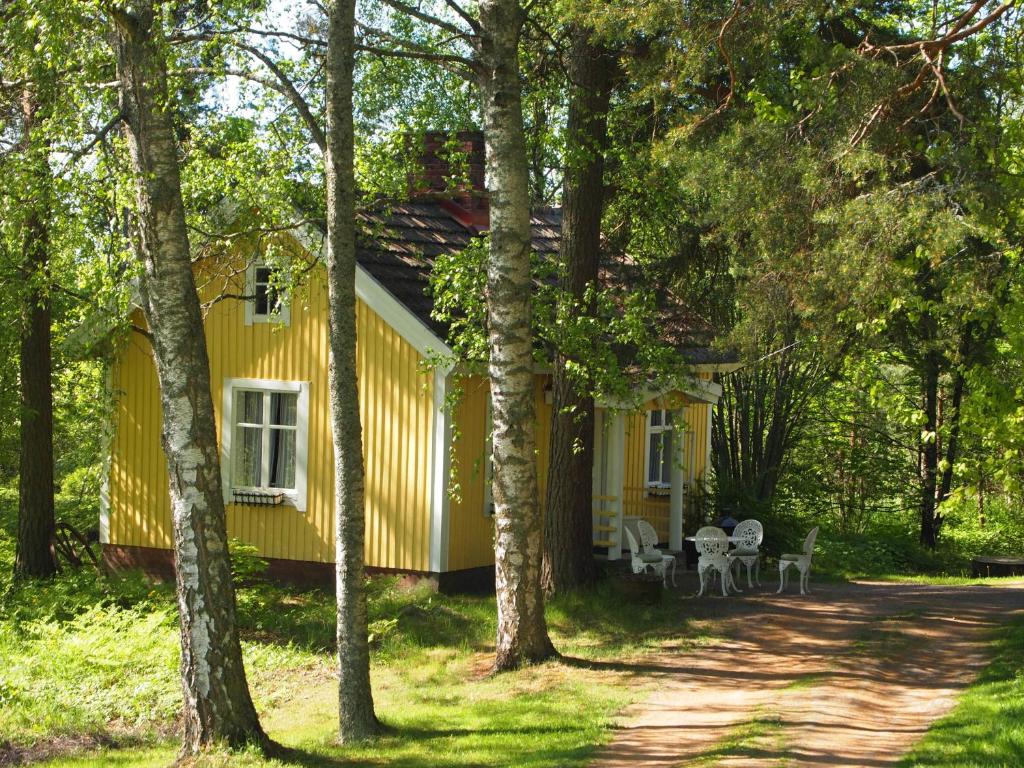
{"x": 522, "y": 630}
{"x": 217, "y": 705}
{"x": 357, "y": 719}
{"x": 569, "y": 516}
{"x": 34, "y": 555}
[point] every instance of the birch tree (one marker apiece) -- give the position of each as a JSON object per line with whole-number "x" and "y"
{"x": 334, "y": 140}
{"x": 522, "y": 628}
{"x": 356, "y": 717}
{"x": 217, "y": 705}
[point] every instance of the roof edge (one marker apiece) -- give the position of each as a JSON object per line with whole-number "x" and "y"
{"x": 378, "y": 298}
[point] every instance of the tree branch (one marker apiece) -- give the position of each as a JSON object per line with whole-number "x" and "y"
{"x": 464, "y": 15}
{"x": 286, "y": 86}
{"x": 415, "y": 12}
{"x": 99, "y": 136}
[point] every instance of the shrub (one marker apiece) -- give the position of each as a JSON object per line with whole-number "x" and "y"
{"x": 246, "y": 564}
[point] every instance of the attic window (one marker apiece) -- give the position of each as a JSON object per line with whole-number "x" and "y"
{"x": 266, "y": 301}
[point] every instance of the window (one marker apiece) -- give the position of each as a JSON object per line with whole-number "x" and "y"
{"x": 659, "y": 449}
{"x": 264, "y": 441}
{"x": 267, "y": 303}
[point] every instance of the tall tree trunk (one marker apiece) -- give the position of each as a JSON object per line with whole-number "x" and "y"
{"x": 522, "y": 629}
{"x": 930, "y": 450}
{"x": 357, "y": 719}
{"x": 568, "y": 518}
{"x": 34, "y": 556}
{"x": 953, "y": 442}
{"x": 217, "y": 705}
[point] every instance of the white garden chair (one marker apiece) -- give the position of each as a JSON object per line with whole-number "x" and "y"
{"x": 747, "y": 537}
{"x": 641, "y": 562}
{"x": 713, "y": 550}
{"x": 649, "y": 546}
{"x": 801, "y": 562}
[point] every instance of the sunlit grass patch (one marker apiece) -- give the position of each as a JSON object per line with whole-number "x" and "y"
{"x": 762, "y": 737}
{"x": 987, "y": 726}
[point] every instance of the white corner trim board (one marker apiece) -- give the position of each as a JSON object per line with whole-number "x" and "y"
{"x": 383, "y": 302}
{"x": 109, "y": 429}
{"x": 398, "y": 316}
{"x": 296, "y": 498}
{"x": 440, "y": 468}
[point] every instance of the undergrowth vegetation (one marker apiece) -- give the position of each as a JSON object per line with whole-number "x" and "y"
{"x": 90, "y": 671}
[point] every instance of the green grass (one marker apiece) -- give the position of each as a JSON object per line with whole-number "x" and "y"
{"x": 809, "y": 680}
{"x": 987, "y": 726}
{"x": 89, "y": 674}
{"x": 941, "y": 580}
{"x": 761, "y": 737}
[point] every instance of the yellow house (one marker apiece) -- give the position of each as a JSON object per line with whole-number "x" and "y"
{"x": 428, "y": 510}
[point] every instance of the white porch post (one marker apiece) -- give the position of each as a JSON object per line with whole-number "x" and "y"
{"x": 599, "y": 460}
{"x": 616, "y": 455}
{"x": 675, "y": 501}
{"x": 707, "y": 461}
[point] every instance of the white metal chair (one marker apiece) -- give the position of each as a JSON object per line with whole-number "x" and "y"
{"x": 649, "y": 546}
{"x": 713, "y": 550}
{"x": 801, "y": 562}
{"x": 748, "y": 536}
{"x": 641, "y": 562}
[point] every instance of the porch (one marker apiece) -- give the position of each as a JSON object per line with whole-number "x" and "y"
{"x": 650, "y": 464}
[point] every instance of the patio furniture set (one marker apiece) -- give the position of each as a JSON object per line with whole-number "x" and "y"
{"x": 716, "y": 557}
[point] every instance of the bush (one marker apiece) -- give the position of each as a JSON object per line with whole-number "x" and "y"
{"x": 246, "y": 564}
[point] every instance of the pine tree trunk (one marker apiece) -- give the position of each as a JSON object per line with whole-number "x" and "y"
{"x": 217, "y": 705}
{"x": 356, "y": 717}
{"x": 34, "y": 555}
{"x": 522, "y": 630}
{"x": 568, "y": 518}
{"x": 930, "y": 451}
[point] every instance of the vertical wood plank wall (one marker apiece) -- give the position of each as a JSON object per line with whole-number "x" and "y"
{"x": 636, "y": 500}
{"x": 470, "y": 531}
{"x": 396, "y": 409}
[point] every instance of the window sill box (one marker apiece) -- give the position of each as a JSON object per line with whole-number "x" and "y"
{"x": 259, "y": 498}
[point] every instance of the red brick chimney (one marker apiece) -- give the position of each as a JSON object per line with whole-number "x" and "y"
{"x": 451, "y": 171}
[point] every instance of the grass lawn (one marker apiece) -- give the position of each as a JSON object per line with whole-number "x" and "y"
{"x": 987, "y": 726}
{"x": 90, "y": 673}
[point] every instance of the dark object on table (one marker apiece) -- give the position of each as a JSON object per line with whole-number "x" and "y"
{"x": 728, "y": 524}
{"x": 997, "y": 566}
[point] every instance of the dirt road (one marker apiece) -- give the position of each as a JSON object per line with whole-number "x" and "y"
{"x": 851, "y": 675}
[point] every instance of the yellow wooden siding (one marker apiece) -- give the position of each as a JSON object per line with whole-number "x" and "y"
{"x": 396, "y": 411}
{"x": 636, "y": 500}
{"x": 470, "y": 531}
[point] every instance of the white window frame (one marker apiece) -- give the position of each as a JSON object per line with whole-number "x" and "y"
{"x": 296, "y": 497}
{"x": 283, "y": 314}
{"x": 658, "y": 430}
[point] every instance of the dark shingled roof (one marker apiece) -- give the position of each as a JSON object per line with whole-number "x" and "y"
{"x": 400, "y": 241}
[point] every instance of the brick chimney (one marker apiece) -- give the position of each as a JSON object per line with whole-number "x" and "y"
{"x": 451, "y": 171}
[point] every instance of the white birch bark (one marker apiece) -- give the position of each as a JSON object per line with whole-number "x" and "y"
{"x": 357, "y": 719}
{"x": 522, "y": 630}
{"x": 217, "y": 705}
